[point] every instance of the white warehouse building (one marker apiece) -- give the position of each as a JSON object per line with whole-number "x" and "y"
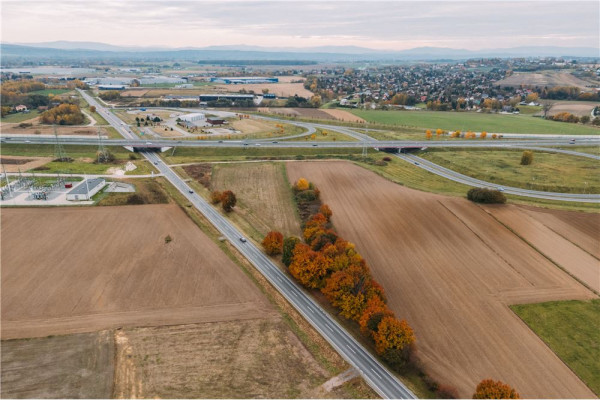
{"x": 192, "y": 117}
{"x": 86, "y": 189}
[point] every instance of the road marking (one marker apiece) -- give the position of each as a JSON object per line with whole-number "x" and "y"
{"x": 330, "y": 328}
{"x": 351, "y": 349}
{"x": 375, "y": 372}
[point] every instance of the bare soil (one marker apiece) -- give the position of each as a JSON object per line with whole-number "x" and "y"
{"x": 263, "y": 194}
{"x": 74, "y": 270}
{"x": 71, "y": 366}
{"x": 451, "y": 270}
{"x": 580, "y": 108}
{"x": 570, "y": 239}
{"x": 16, "y": 163}
{"x": 343, "y": 115}
{"x": 250, "y": 126}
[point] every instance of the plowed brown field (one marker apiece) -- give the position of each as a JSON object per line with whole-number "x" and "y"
{"x": 451, "y": 270}
{"x": 569, "y": 239}
{"x": 86, "y": 269}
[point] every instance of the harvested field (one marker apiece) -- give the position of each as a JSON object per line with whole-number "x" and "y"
{"x": 253, "y": 126}
{"x": 38, "y": 129}
{"x": 279, "y": 89}
{"x": 544, "y": 78}
{"x": 564, "y": 238}
{"x": 297, "y": 112}
{"x": 451, "y": 270}
{"x": 72, "y": 270}
{"x": 258, "y": 358}
{"x": 263, "y": 194}
{"x": 134, "y": 92}
{"x": 343, "y": 115}
{"x": 71, "y": 366}
{"x": 576, "y": 108}
{"x": 16, "y": 163}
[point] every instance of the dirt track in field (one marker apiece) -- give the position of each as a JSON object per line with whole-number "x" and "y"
{"x": 69, "y": 270}
{"x": 451, "y": 270}
{"x": 13, "y": 163}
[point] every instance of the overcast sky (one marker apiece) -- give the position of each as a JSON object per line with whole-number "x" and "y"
{"x": 392, "y": 25}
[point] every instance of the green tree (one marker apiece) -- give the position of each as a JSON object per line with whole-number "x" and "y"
{"x": 288, "y": 249}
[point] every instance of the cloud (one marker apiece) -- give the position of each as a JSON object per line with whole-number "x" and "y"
{"x": 391, "y": 24}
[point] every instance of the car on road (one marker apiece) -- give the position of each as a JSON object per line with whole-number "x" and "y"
{"x": 245, "y": 144}
{"x": 416, "y": 163}
{"x": 500, "y": 189}
{"x": 274, "y": 141}
{"x": 220, "y": 141}
{"x": 315, "y": 145}
{"x": 190, "y": 190}
{"x": 572, "y": 141}
{"x": 148, "y": 142}
{"x": 28, "y": 141}
{"x": 243, "y": 239}
{"x": 155, "y": 162}
{"x": 257, "y": 144}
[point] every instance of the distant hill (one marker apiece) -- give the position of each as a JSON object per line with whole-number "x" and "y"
{"x": 76, "y": 51}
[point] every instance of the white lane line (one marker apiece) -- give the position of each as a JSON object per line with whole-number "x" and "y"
{"x": 351, "y": 349}
{"x": 375, "y": 372}
{"x": 330, "y": 328}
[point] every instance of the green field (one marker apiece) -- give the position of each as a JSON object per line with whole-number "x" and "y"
{"x": 477, "y": 122}
{"x": 47, "y": 92}
{"x": 83, "y": 157}
{"x": 19, "y": 117}
{"x": 551, "y": 172}
{"x": 572, "y": 330}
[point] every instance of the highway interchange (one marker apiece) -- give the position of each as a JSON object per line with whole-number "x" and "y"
{"x": 378, "y": 377}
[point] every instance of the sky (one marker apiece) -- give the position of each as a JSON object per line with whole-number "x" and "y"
{"x": 392, "y": 25}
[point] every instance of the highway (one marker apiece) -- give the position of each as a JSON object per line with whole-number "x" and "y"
{"x": 467, "y": 180}
{"x": 374, "y": 373}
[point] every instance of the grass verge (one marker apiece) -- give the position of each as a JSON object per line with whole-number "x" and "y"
{"x": 572, "y": 330}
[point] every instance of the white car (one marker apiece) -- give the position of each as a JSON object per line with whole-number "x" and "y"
{"x": 243, "y": 239}
{"x": 500, "y": 189}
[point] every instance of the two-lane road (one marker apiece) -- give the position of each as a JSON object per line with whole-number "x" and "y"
{"x": 376, "y": 375}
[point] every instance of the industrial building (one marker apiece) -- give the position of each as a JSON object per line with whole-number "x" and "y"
{"x": 86, "y": 189}
{"x": 243, "y": 80}
{"x": 232, "y": 97}
{"x": 192, "y": 117}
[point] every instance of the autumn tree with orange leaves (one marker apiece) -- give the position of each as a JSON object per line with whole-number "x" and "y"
{"x": 273, "y": 243}
{"x": 326, "y": 211}
{"x": 309, "y": 267}
{"x": 394, "y": 340}
{"x": 490, "y": 389}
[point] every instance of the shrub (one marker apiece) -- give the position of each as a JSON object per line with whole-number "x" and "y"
{"x": 288, "y": 249}
{"x": 228, "y": 200}
{"x": 135, "y": 199}
{"x": 215, "y": 196}
{"x": 273, "y": 243}
{"x": 527, "y": 157}
{"x": 307, "y": 195}
{"x": 387, "y": 159}
{"x": 486, "y": 196}
{"x": 168, "y": 239}
{"x": 25, "y": 125}
{"x": 490, "y": 389}
{"x": 584, "y": 119}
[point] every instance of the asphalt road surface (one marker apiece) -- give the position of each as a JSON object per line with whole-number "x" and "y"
{"x": 378, "y": 377}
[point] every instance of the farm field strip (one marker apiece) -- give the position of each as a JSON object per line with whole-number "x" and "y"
{"x": 451, "y": 270}
{"x": 97, "y": 284}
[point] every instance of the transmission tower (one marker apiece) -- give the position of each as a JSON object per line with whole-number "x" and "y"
{"x": 59, "y": 150}
{"x": 102, "y": 152}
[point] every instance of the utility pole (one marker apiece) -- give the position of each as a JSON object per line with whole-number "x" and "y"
{"x": 59, "y": 150}
{"x": 102, "y": 152}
